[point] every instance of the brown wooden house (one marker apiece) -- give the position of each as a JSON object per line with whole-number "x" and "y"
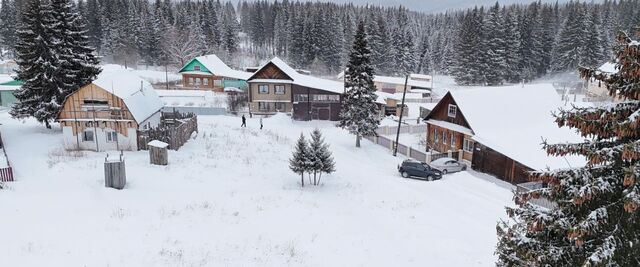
{"x": 499, "y": 130}
{"x": 278, "y": 88}
{"x": 107, "y": 113}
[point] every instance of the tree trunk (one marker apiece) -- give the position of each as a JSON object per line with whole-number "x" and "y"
{"x": 319, "y": 177}
{"x": 357, "y": 140}
{"x": 302, "y": 179}
{"x": 46, "y": 124}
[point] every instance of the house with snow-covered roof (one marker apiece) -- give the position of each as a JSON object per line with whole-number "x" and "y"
{"x": 417, "y": 83}
{"x": 107, "y": 113}
{"x": 500, "y": 130}
{"x": 209, "y": 72}
{"x": 277, "y": 87}
{"x": 597, "y": 91}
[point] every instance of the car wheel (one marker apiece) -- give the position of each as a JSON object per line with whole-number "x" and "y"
{"x": 405, "y": 174}
{"x": 444, "y": 171}
{"x": 429, "y": 178}
{"x": 464, "y": 168}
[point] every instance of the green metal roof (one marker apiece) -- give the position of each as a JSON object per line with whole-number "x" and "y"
{"x": 12, "y": 83}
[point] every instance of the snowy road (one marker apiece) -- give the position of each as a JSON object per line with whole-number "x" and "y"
{"x": 228, "y": 198}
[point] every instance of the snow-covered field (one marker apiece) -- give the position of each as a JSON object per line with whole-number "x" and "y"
{"x": 227, "y": 198}
{"x": 150, "y": 75}
{"x": 192, "y": 98}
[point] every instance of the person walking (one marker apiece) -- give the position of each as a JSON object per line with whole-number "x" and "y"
{"x": 244, "y": 122}
{"x": 260, "y": 122}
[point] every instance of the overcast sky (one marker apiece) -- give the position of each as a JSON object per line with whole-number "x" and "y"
{"x": 437, "y": 5}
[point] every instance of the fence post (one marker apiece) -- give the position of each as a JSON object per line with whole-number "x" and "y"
{"x": 392, "y": 144}
{"x": 409, "y": 150}
{"x": 449, "y": 153}
{"x": 428, "y": 158}
{"x": 376, "y": 140}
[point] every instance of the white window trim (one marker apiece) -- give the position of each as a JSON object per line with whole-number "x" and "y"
{"x": 261, "y": 86}
{"x": 444, "y": 137}
{"x": 110, "y": 135}
{"x": 284, "y": 89}
{"x": 93, "y": 135}
{"x": 455, "y": 111}
{"x": 453, "y": 140}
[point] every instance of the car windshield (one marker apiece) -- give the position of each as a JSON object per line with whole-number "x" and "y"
{"x": 425, "y": 166}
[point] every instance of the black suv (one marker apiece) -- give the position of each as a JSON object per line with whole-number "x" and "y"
{"x": 410, "y": 168}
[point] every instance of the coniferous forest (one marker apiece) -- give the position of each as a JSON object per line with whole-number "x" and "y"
{"x": 483, "y": 45}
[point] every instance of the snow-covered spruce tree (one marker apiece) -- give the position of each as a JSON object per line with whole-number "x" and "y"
{"x": 299, "y": 163}
{"x": 8, "y": 23}
{"x": 494, "y": 44}
{"x": 359, "y": 113}
{"x": 79, "y": 65}
{"x": 38, "y": 65}
{"x": 597, "y": 221}
{"x": 320, "y": 156}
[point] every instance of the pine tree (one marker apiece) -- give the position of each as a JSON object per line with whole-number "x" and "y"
{"x": 494, "y": 47}
{"x": 8, "y": 22}
{"x": 79, "y": 65}
{"x": 38, "y": 66}
{"x": 299, "y": 163}
{"x": 321, "y": 160}
{"x": 403, "y": 46}
{"x": 467, "y": 69}
{"x": 597, "y": 218}
{"x": 512, "y": 48}
{"x": 230, "y": 28}
{"x": 359, "y": 113}
{"x": 568, "y": 49}
{"x": 593, "y": 53}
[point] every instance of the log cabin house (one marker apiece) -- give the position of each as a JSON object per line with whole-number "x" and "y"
{"x": 500, "y": 129}
{"x": 210, "y": 73}
{"x": 276, "y": 87}
{"x": 107, "y": 113}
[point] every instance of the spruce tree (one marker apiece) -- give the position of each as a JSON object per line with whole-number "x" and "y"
{"x": 320, "y": 156}
{"x": 300, "y": 162}
{"x": 38, "y": 65}
{"x": 512, "y": 48}
{"x": 359, "y": 113}
{"x": 79, "y": 65}
{"x": 568, "y": 49}
{"x": 8, "y": 23}
{"x": 494, "y": 47}
{"x": 597, "y": 218}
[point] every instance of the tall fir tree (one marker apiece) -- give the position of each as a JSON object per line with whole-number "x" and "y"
{"x": 8, "y": 23}
{"x": 321, "y": 160}
{"x": 359, "y": 113}
{"x": 494, "y": 47}
{"x": 512, "y": 40}
{"x": 597, "y": 218}
{"x": 38, "y": 65}
{"x": 570, "y": 41}
{"x": 79, "y": 64}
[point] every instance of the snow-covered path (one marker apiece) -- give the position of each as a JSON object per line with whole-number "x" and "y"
{"x": 228, "y": 198}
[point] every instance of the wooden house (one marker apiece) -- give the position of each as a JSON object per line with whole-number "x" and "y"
{"x": 276, "y": 87}
{"x": 499, "y": 130}
{"x": 107, "y": 113}
{"x": 210, "y": 73}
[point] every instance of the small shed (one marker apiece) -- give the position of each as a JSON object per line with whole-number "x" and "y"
{"x": 158, "y": 153}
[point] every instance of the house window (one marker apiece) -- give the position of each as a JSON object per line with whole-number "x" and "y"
{"x": 217, "y": 83}
{"x": 263, "y": 106}
{"x": 280, "y": 107}
{"x": 94, "y": 105}
{"x": 197, "y": 81}
{"x": 300, "y": 98}
{"x": 444, "y": 137}
{"x": 279, "y": 89}
{"x": 435, "y": 136}
{"x": 467, "y": 145}
{"x": 453, "y": 141}
{"x": 453, "y": 109}
{"x": 112, "y": 136}
{"x": 205, "y": 81}
{"x": 191, "y": 80}
{"x": 87, "y": 136}
{"x": 196, "y": 68}
{"x": 263, "y": 89}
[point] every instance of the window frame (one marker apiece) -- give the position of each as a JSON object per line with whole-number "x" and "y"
{"x": 263, "y": 106}
{"x": 453, "y": 140}
{"x": 444, "y": 137}
{"x": 112, "y": 136}
{"x": 452, "y": 111}
{"x": 436, "y": 137}
{"x": 260, "y": 86}
{"x": 205, "y": 81}
{"x": 196, "y": 68}
{"x": 85, "y": 135}
{"x": 467, "y": 145}
{"x": 284, "y": 89}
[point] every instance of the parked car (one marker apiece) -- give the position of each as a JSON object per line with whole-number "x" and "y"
{"x": 414, "y": 168}
{"x": 448, "y": 165}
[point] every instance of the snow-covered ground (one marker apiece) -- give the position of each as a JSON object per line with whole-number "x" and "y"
{"x": 193, "y": 98}
{"x": 227, "y": 198}
{"x": 150, "y": 75}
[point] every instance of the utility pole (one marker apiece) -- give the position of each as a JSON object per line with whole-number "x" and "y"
{"x": 404, "y": 93}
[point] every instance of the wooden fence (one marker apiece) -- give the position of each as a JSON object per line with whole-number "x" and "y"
{"x": 541, "y": 201}
{"x": 175, "y": 129}
{"x": 404, "y": 129}
{"x": 6, "y": 173}
{"x": 409, "y": 151}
